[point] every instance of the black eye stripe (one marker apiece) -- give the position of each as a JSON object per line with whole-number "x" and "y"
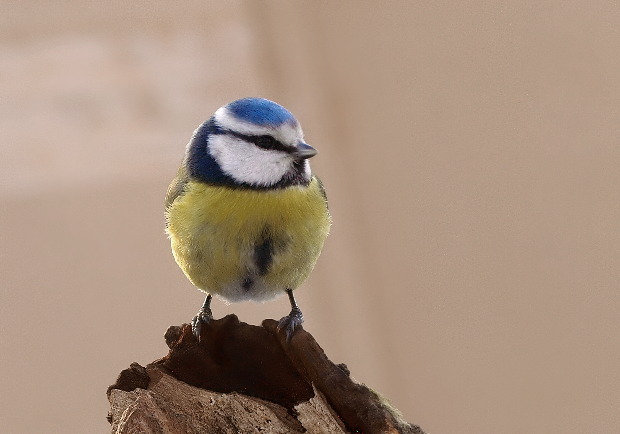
{"x": 263, "y": 142}
{"x": 266, "y": 142}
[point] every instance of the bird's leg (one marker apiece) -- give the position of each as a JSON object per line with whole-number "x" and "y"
{"x": 204, "y": 316}
{"x": 293, "y": 319}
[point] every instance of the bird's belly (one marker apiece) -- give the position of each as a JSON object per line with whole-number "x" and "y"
{"x": 247, "y": 245}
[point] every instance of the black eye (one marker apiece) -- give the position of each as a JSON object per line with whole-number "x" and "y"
{"x": 266, "y": 142}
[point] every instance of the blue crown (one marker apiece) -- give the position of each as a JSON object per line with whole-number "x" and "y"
{"x": 260, "y": 111}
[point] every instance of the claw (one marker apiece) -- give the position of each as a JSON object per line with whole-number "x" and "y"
{"x": 204, "y": 316}
{"x": 199, "y": 320}
{"x": 290, "y": 322}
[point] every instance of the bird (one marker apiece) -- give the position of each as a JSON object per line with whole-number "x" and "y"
{"x": 245, "y": 215}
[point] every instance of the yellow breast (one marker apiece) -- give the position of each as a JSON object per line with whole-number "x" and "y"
{"x": 217, "y": 233}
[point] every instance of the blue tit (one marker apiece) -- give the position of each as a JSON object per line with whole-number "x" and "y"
{"x": 246, "y": 217}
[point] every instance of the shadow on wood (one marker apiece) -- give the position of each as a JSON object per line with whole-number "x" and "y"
{"x": 244, "y": 378}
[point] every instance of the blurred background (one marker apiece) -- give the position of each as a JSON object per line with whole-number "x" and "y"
{"x": 471, "y": 154}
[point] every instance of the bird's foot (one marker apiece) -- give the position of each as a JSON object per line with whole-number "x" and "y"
{"x": 203, "y": 317}
{"x": 290, "y": 322}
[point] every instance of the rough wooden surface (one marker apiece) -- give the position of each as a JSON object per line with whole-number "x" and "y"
{"x": 244, "y": 378}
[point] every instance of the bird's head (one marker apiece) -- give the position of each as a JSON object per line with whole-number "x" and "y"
{"x": 251, "y": 142}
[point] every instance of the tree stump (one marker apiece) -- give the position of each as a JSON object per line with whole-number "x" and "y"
{"x": 242, "y": 378}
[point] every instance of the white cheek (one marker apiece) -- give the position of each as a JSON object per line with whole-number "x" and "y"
{"x": 307, "y": 170}
{"x": 246, "y": 163}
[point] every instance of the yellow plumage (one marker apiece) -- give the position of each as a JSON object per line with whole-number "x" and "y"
{"x": 215, "y": 231}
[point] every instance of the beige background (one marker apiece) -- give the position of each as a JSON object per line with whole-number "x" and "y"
{"x": 471, "y": 153}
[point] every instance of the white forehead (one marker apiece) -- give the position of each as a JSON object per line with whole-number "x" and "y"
{"x": 287, "y": 133}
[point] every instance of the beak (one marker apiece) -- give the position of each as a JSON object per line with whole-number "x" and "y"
{"x": 304, "y": 151}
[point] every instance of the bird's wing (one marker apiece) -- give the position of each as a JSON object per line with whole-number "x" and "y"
{"x": 177, "y": 186}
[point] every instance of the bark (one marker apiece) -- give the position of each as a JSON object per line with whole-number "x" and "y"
{"x": 243, "y": 379}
